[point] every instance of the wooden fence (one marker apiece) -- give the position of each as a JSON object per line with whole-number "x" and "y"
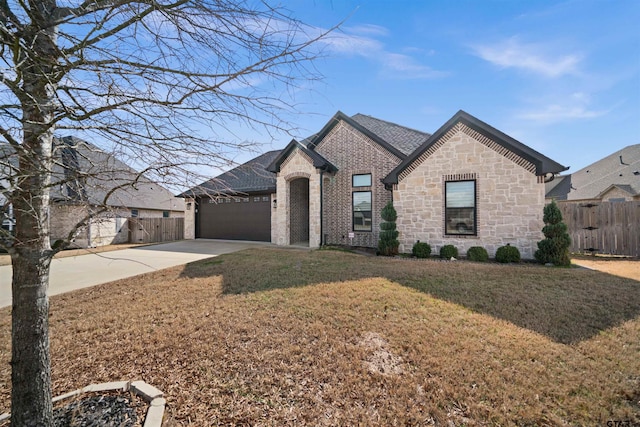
{"x": 154, "y": 230}
{"x": 603, "y": 227}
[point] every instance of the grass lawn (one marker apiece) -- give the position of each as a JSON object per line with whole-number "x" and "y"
{"x": 284, "y": 337}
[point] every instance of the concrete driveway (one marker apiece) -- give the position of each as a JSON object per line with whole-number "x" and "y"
{"x": 82, "y": 271}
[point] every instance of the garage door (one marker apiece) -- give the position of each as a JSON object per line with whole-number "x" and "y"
{"x": 237, "y": 218}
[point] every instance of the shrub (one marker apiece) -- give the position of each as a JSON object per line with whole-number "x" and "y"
{"x": 555, "y": 247}
{"x": 477, "y": 253}
{"x": 421, "y": 250}
{"x": 507, "y": 253}
{"x": 448, "y": 251}
{"x": 388, "y": 243}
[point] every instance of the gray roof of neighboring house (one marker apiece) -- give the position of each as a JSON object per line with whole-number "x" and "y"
{"x": 89, "y": 174}
{"x": 620, "y": 169}
{"x": 251, "y": 176}
{"x": 542, "y": 163}
{"x": 83, "y": 173}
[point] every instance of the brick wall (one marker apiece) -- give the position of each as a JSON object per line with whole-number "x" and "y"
{"x": 353, "y": 153}
{"x": 510, "y": 197}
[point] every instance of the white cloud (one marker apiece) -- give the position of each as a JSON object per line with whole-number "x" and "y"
{"x": 368, "y": 29}
{"x": 512, "y": 53}
{"x": 397, "y": 65}
{"x": 574, "y": 107}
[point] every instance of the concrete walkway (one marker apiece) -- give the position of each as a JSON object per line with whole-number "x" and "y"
{"x": 68, "y": 274}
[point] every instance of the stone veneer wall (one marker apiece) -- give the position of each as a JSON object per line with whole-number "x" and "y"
{"x": 353, "y": 153}
{"x": 297, "y": 165}
{"x": 510, "y": 197}
{"x": 189, "y": 219}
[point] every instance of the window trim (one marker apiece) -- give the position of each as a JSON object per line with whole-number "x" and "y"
{"x": 474, "y": 232}
{"x": 353, "y": 177}
{"x": 353, "y": 212}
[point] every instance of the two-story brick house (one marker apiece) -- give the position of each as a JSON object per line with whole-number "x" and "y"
{"x": 468, "y": 184}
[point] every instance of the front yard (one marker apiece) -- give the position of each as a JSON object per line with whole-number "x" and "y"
{"x": 281, "y": 337}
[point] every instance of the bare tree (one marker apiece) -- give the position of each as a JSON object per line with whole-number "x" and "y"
{"x": 151, "y": 81}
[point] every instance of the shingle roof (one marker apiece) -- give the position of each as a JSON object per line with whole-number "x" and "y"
{"x": 251, "y": 176}
{"x": 86, "y": 173}
{"x": 403, "y": 138}
{"x": 396, "y": 139}
{"x": 543, "y": 164}
{"x": 83, "y": 173}
{"x": 620, "y": 169}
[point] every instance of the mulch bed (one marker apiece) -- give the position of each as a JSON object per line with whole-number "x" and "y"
{"x": 105, "y": 409}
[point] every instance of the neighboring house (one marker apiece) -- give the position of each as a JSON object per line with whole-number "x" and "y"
{"x": 91, "y": 185}
{"x": 615, "y": 178}
{"x": 468, "y": 184}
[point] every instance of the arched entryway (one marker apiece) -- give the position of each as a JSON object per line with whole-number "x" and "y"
{"x": 299, "y": 211}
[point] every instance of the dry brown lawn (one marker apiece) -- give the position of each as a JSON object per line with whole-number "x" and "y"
{"x": 629, "y": 268}
{"x": 281, "y": 337}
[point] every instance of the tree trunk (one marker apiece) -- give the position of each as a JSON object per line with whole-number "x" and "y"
{"x": 30, "y": 366}
{"x": 31, "y": 253}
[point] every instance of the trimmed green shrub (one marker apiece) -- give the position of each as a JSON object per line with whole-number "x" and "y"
{"x": 477, "y": 253}
{"x": 448, "y": 251}
{"x": 507, "y": 253}
{"x": 555, "y": 247}
{"x": 388, "y": 243}
{"x": 421, "y": 250}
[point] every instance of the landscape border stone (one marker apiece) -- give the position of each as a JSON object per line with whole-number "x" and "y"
{"x": 147, "y": 392}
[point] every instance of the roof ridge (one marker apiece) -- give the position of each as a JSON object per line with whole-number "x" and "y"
{"x": 391, "y": 123}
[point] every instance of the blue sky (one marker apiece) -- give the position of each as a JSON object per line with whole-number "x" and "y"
{"x": 561, "y": 77}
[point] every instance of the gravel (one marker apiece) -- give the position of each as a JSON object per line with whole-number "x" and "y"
{"x": 98, "y": 411}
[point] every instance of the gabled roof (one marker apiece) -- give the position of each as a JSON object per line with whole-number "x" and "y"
{"x": 543, "y": 164}
{"x": 398, "y": 140}
{"x": 319, "y": 162}
{"x": 626, "y": 188}
{"x": 620, "y": 169}
{"x": 84, "y": 173}
{"x": 403, "y": 138}
{"x": 251, "y": 176}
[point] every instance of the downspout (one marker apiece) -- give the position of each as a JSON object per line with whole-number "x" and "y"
{"x": 322, "y": 242}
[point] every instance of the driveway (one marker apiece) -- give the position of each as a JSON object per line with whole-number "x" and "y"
{"x": 82, "y": 271}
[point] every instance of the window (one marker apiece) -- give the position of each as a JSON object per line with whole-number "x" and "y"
{"x": 256, "y": 199}
{"x": 460, "y": 207}
{"x": 134, "y": 213}
{"x": 363, "y": 180}
{"x": 165, "y": 214}
{"x": 265, "y": 198}
{"x": 362, "y": 211}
